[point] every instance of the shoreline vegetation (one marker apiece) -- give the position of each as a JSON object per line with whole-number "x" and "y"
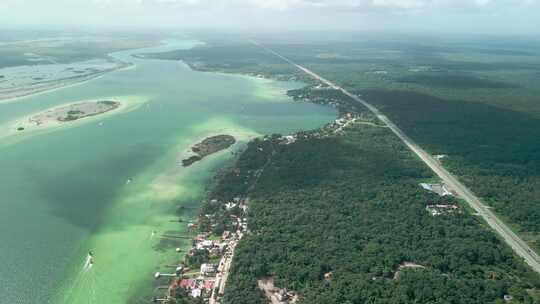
{"x": 208, "y": 146}
{"x": 419, "y": 87}
{"x": 237, "y": 61}
{"x": 336, "y": 215}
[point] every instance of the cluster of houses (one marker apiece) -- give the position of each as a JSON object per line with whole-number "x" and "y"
{"x": 279, "y": 77}
{"x": 335, "y": 127}
{"x": 213, "y": 247}
{"x": 196, "y": 288}
{"x": 208, "y": 282}
{"x": 342, "y": 122}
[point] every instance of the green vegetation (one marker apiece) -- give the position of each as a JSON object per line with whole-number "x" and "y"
{"x": 453, "y": 81}
{"x": 351, "y": 206}
{"x": 208, "y": 146}
{"x": 241, "y": 57}
{"x": 109, "y": 103}
{"x": 213, "y": 144}
{"x": 73, "y": 115}
{"x": 473, "y": 99}
{"x": 74, "y": 112}
{"x": 495, "y": 151}
{"x": 326, "y": 96}
{"x": 499, "y": 71}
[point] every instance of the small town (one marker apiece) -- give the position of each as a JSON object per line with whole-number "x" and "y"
{"x": 203, "y": 275}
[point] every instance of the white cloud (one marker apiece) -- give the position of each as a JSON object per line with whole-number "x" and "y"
{"x": 403, "y": 4}
{"x": 277, "y": 4}
{"x": 288, "y": 14}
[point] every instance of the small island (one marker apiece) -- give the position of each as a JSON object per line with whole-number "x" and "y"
{"x": 70, "y": 115}
{"x": 209, "y": 145}
{"x": 74, "y": 112}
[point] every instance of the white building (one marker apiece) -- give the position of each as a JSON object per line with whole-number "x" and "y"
{"x": 196, "y": 293}
{"x": 207, "y": 269}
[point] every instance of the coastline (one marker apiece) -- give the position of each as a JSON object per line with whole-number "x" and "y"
{"x": 167, "y": 179}
{"x": 144, "y": 193}
{"x": 261, "y": 76}
{"x": 218, "y": 203}
{"x": 59, "y": 84}
{"x": 174, "y": 194}
{"x": 165, "y": 187}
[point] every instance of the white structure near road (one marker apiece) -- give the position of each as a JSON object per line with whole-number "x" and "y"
{"x": 512, "y": 239}
{"x": 440, "y": 189}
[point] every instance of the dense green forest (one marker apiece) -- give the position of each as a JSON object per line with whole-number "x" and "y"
{"x": 240, "y": 57}
{"x": 334, "y": 98}
{"x": 496, "y": 152}
{"x": 501, "y": 72}
{"x": 473, "y": 99}
{"x": 351, "y": 205}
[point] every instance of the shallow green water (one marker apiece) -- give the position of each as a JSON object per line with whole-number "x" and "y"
{"x": 65, "y": 192}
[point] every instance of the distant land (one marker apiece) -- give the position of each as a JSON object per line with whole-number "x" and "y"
{"x": 34, "y": 66}
{"x": 285, "y": 169}
{"x": 329, "y": 208}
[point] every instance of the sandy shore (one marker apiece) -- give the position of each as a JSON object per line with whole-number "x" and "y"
{"x": 69, "y": 115}
{"x": 166, "y": 185}
{"x": 72, "y": 112}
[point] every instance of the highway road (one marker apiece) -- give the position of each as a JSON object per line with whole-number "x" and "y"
{"x": 223, "y": 273}
{"x": 514, "y": 241}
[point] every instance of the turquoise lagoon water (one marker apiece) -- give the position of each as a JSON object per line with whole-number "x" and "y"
{"x": 66, "y": 191}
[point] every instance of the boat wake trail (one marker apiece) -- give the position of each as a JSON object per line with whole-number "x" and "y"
{"x": 89, "y": 261}
{"x": 84, "y": 279}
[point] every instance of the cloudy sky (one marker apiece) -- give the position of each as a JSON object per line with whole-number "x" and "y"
{"x": 470, "y": 16}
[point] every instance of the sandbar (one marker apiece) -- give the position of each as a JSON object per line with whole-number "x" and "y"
{"x": 69, "y": 115}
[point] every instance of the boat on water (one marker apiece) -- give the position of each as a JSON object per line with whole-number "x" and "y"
{"x": 89, "y": 261}
{"x": 90, "y": 257}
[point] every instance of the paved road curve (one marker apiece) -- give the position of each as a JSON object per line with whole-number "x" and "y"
{"x": 517, "y": 244}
